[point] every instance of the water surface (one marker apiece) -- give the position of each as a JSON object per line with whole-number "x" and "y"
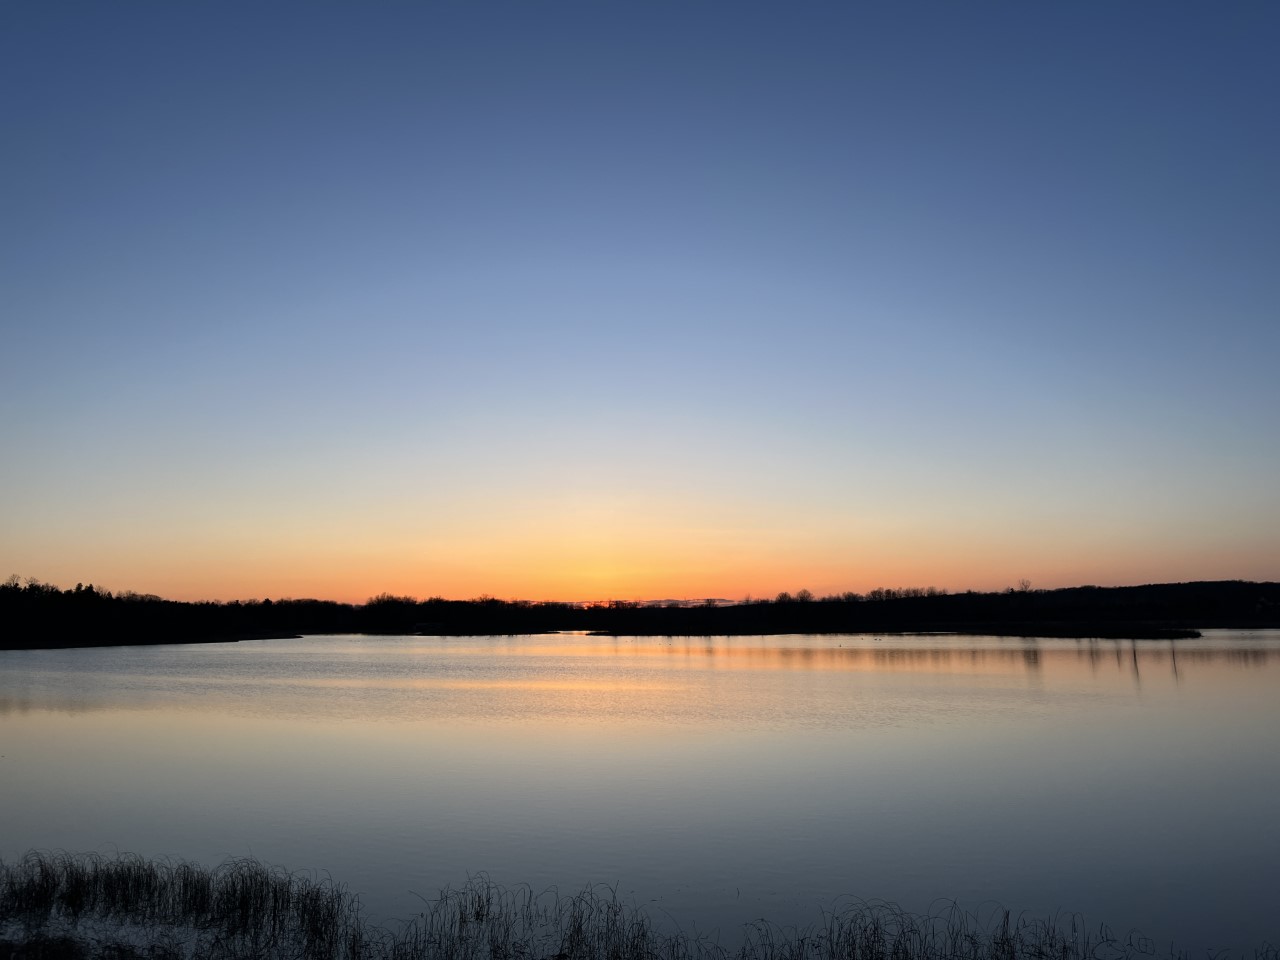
{"x": 714, "y": 781}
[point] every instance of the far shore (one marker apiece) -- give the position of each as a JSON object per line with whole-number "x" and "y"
{"x": 1028, "y": 631}
{"x": 41, "y": 616}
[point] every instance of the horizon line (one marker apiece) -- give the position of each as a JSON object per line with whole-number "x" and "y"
{"x": 801, "y": 595}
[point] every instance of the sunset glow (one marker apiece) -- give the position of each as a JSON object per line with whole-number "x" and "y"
{"x": 584, "y": 302}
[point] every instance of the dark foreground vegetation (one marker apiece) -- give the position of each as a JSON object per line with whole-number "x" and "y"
{"x": 81, "y": 907}
{"x": 35, "y": 614}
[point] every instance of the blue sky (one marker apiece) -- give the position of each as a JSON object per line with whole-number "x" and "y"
{"x": 629, "y": 299}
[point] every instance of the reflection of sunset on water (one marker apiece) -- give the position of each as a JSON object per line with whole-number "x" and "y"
{"x": 752, "y": 763}
{"x": 847, "y": 680}
{"x": 866, "y": 653}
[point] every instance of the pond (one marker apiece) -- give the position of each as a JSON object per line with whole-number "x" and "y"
{"x": 712, "y": 781}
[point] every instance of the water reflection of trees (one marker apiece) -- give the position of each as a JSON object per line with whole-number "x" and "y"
{"x": 417, "y": 671}
{"x": 743, "y": 653}
{"x": 1097, "y": 651}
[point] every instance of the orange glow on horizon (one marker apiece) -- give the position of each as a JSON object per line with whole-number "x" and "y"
{"x": 598, "y": 555}
{"x": 178, "y": 583}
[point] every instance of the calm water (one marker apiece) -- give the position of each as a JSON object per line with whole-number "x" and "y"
{"x": 714, "y": 781}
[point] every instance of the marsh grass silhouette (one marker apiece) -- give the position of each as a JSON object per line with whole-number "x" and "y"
{"x": 86, "y": 907}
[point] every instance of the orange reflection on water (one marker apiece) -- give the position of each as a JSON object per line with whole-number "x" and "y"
{"x": 811, "y": 679}
{"x": 949, "y": 654}
{"x": 449, "y": 683}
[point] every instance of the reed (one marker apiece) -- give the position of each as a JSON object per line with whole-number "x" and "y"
{"x": 85, "y": 907}
{"x": 163, "y": 908}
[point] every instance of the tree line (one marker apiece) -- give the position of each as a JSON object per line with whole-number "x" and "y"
{"x": 36, "y": 614}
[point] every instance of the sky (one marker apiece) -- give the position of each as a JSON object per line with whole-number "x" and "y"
{"x": 638, "y": 300}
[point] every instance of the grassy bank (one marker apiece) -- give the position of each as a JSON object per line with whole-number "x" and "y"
{"x": 78, "y": 907}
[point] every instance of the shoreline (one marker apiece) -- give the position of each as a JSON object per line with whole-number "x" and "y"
{"x": 1011, "y": 631}
{"x": 41, "y": 616}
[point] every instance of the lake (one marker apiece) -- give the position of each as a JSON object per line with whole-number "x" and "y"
{"x": 712, "y": 781}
